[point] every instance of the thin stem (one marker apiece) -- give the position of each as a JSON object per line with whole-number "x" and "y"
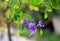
{"x": 9, "y": 34}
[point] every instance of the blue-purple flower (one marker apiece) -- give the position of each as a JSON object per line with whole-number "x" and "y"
{"x": 32, "y": 27}
{"x": 41, "y": 23}
{"x": 25, "y": 21}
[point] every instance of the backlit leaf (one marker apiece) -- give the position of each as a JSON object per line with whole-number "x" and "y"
{"x": 41, "y": 32}
{"x": 45, "y": 16}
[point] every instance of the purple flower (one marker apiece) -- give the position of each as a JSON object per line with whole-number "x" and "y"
{"x": 25, "y": 21}
{"x": 32, "y": 27}
{"x": 41, "y": 23}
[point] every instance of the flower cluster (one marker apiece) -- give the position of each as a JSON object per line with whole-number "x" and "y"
{"x": 32, "y": 26}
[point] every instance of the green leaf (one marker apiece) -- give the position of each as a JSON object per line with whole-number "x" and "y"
{"x": 41, "y": 32}
{"x": 54, "y": 4}
{"x": 45, "y": 16}
{"x": 16, "y": 16}
{"x": 21, "y": 16}
{"x": 48, "y": 9}
{"x": 36, "y": 2}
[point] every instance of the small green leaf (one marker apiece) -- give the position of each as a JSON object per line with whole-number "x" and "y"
{"x": 41, "y": 32}
{"x": 45, "y": 16}
{"x": 49, "y": 10}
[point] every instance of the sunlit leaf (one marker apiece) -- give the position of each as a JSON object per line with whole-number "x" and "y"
{"x": 41, "y": 32}
{"x": 16, "y": 7}
{"x": 49, "y": 10}
{"x": 6, "y": 0}
{"x": 45, "y": 16}
{"x": 31, "y": 7}
{"x": 36, "y": 8}
{"x": 7, "y": 13}
{"x": 36, "y": 2}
